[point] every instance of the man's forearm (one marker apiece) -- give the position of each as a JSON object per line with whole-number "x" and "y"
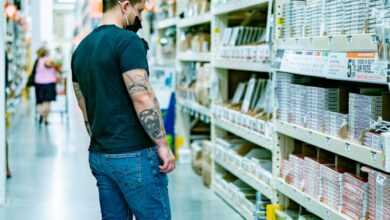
{"x": 82, "y": 105}
{"x": 146, "y": 105}
{"x": 150, "y": 117}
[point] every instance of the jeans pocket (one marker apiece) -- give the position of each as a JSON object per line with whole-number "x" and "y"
{"x": 160, "y": 177}
{"x": 122, "y": 156}
{"x": 127, "y": 171}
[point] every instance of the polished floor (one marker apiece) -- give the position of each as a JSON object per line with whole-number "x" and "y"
{"x": 52, "y": 181}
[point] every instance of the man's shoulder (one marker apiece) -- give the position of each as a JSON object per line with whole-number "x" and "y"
{"x": 128, "y": 36}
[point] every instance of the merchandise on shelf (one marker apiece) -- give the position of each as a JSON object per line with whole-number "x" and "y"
{"x": 255, "y": 161}
{"x": 360, "y": 118}
{"x": 242, "y": 44}
{"x": 331, "y": 186}
{"x": 355, "y": 197}
{"x": 294, "y": 17}
{"x": 339, "y": 190}
{"x": 312, "y": 180}
{"x": 379, "y": 194}
{"x": 17, "y": 57}
{"x": 201, "y": 160}
{"x": 238, "y": 36}
{"x": 323, "y": 109}
{"x": 166, "y": 9}
{"x": 313, "y": 18}
{"x": 195, "y": 41}
{"x": 252, "y": 54}
{"x": 373, "y": 137}
{"x": 249, "y": 108}
{"x": 195, "y": 84}
{"x": 165, "y": 50}
{"x": 196, "y": 7}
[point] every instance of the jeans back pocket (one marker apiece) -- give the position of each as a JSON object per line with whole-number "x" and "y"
{"x": 126, "y": 170}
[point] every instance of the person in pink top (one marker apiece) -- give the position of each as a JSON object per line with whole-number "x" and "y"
{"x": 45, "y": 84}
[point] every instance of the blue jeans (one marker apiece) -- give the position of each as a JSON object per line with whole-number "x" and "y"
{"x": 131, "y": 184}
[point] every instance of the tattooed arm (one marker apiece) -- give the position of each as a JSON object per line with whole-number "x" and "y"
{"x": 82, "y": 105}
{"x": 148, "y": 111}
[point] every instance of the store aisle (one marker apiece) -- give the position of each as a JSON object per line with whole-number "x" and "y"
{"x": 52, "y": 180}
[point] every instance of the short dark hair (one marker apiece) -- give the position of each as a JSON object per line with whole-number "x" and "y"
{"x": 109, "y": 4}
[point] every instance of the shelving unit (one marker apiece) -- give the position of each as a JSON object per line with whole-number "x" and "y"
{"x": 234, "y": 6}
{"x": 308, "y": 202}
{"x": 196, "y": 109}
{"x": 194, "y": 57}
{"x": 170, "y": 22}
{"x": 198, "y": 20}
{"x": 239, "y": 65}
{"x": 254, "y": 182}
{"x": 245, "y": 133}
{"x": 349, "y": 149}
{"x": 244, "y": 212}
{"x": 338, "y": 43}
{"x": 287, "y": 55}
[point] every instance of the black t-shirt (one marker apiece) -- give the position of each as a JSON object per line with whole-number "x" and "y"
{"x": 97, "y": 65}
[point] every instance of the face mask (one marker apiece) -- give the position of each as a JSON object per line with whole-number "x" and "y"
{"x": 136, "y": 26}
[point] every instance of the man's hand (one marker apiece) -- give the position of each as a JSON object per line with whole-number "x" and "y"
{"x": 167, "y": 158}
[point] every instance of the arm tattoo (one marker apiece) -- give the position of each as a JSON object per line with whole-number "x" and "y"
{"x": 150, "y": 120}
{"x": 137, "y": 87}
{"x": 139, "y": 83}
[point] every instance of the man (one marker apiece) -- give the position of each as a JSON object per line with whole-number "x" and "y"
{"x": 129, "y": 155}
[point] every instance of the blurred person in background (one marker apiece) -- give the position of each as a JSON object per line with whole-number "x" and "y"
{"x": 129, "y": 155}
{"x": 45, "y": 78}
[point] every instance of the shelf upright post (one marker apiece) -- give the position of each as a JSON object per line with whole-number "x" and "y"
{"x": 182, "y": 122}
{"x": 386, "y": 148}
{"x": 2, "y": 107}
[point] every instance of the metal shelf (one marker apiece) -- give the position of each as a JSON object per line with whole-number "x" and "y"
{"x": 248, "y": 178}
{"x": 322, "y": 64}
{"x": 194, "y": 57}
{"x": 198, "y": 20}
{"x": 247, "y": 214}
{"x": 234, "y": 6}
{"x": 341, "y": 43}
{"x": 342, "y": 147}
{"x": 311, "y": 204}
{"x": 196, "y": 109}
{"x": 240, "y": 65}
{"x": 245, "y": 133}
{"x": 166, "y": 23}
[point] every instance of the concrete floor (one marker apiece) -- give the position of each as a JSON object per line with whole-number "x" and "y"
{"x": 52, "y": 181}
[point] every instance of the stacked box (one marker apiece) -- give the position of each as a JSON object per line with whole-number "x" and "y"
{"x": 283, "y": 81}
{"x": 355, "y": 197}
{"x": 334, "y": 13}
{"x": 297, "y": 104}
{"x": 363, "y": 109}
{"x": 331, "y": 186}
{"x": 294, "y": 15}
{"x": 378, "y": 13}
{"x": 311, "y": 178}
{"x": 316, "y": 103}
{"x": 373, "y": 140}
{"x": 333, "y": 122}
{"x": 379, "y": 195}
{"x": 313, "y": 18}
{"x": 355, "y": 16}
{"x": 297, "y": 167}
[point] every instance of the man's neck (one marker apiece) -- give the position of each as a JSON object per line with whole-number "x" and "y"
{"x": 112, "y": 18}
